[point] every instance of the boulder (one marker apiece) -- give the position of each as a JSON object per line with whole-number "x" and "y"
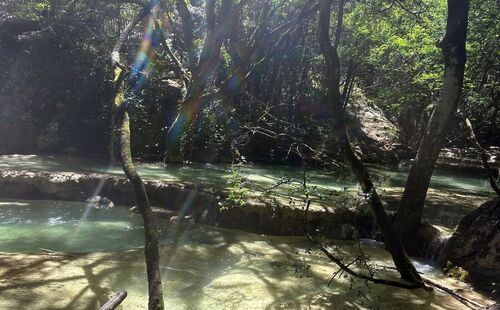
{"x": 376, "y": 138}
{"x": 475, "y": 246}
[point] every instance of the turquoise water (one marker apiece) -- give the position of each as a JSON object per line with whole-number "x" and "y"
{"x": 202, "y": 267}
{"x": 32, "y": 226}
{"x": 260, "y": 176}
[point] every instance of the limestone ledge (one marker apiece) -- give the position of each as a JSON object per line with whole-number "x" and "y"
{"x": 199, "y": 204}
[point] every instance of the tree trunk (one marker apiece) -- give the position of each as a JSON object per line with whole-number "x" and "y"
{"x": 120, "y": 114}
{"x": 491, "y": 172}
{"x": 187, "y": 31}
{"x": 151, "y": 251}
{"x": 118, "y": 77}
{"x": 210, "y": 55}
{"x": 411, "y": 207}
{"x": 401, "y": 260}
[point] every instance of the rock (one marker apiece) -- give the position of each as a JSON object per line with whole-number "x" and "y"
{"x": 475, "y": 246}
{"x": 468, "y": 158}
{"x": 158, "y": 212}
{"x": 79, "y": 186}
{"x": 201, "y": 204}
{"x": 99, "y": 202}
{"x": 182, "y": 219}
{"x": 374, "y": 135}
{"x": 431, "y": 241}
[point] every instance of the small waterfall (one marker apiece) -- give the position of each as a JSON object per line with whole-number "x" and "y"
{"x": 435, "y": 246}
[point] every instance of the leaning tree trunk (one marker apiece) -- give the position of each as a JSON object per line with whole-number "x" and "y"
{"x": 411, "y": 207}
{"x": 401, "y": 260}
{"x": 151, "y": 252}
{"x": 217, "y": 30}
{"x": 490, "y": 171}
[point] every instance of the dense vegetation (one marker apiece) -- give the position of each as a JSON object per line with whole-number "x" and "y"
{"x": 272, "y": 109}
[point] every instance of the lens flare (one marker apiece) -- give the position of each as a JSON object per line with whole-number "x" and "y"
{"x": 146, "y": 54}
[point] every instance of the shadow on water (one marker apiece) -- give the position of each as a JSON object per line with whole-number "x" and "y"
{"x": 253, "y": 274}
{"x": 202, "y": 267}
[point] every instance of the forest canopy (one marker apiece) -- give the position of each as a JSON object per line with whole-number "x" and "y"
{"x": 266, "y": 83}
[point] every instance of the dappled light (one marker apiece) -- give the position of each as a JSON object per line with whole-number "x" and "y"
{"x": 249, "y": 154}
{"x": 210, "y": 269}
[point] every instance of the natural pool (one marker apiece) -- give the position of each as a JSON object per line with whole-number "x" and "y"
{"x": 261, "y": 176}
{"x": 64, "y": 255}
{"x": 450, "y": 197}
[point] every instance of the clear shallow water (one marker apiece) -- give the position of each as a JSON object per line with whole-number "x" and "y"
{"x": 33, "y": 226}
{"x": 202, "y": 267}
{"x": 260, "y": 176}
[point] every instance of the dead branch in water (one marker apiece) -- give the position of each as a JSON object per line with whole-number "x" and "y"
{"x": 114, "y": 301}
{"x": 345, "y": 268}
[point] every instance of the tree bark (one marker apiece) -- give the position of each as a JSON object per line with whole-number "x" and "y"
{"x": 114, "y": 301}
{"x": 151, "y": 252}
{"x": 411, "y": 208}
{"x": 118, "y": 79}
{"x": 187, "y": 30}
{"x": 491, "y": 172}
{"x": 401, "y": 260}
{"x": 120, "y": 114}
{"x": 207, "y": 63}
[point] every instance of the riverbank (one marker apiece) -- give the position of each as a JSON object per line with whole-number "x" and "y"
{"x": 271, "y": 196}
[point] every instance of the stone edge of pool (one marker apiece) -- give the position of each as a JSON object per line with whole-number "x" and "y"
{"x": 201, "y": 204}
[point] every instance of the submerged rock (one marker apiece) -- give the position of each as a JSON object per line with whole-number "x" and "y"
{"x": 475, "y": 246}
{"x": 99, "y": 202}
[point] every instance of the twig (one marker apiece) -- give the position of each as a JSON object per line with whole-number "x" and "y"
{"x": 467, "y": 302}
{"x": 346, "y": 268}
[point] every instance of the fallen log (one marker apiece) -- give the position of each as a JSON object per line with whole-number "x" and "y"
{"x": 114, "y": 301}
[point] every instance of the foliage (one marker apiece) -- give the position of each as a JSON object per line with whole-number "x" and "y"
{"x": 238, "y": 189}
{"x": 456, "y": 272}
{"x": 274, "y": 110}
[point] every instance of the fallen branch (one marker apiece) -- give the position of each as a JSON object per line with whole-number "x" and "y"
{"x": 114, "y": 301}
{"x": 467, "y": 302}
{"x": 346, "y": 268}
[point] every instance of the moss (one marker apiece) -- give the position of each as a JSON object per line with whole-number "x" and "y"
{"x": 118, "y": 80}
{"x": 456, "y": 272}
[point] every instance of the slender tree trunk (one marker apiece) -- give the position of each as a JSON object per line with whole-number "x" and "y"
{"x": 349, "y": 81}
{"x": 187, "y": 31}
{"x": 411, "y": 208}
{"x": 491, "y": 172}
{"x": 151, "y": 251}
{"x": 118, "y": 77}
{"x": 112, "y": 136}
{"x": 401, "y": 260}
{"x": 120, "y": 114}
